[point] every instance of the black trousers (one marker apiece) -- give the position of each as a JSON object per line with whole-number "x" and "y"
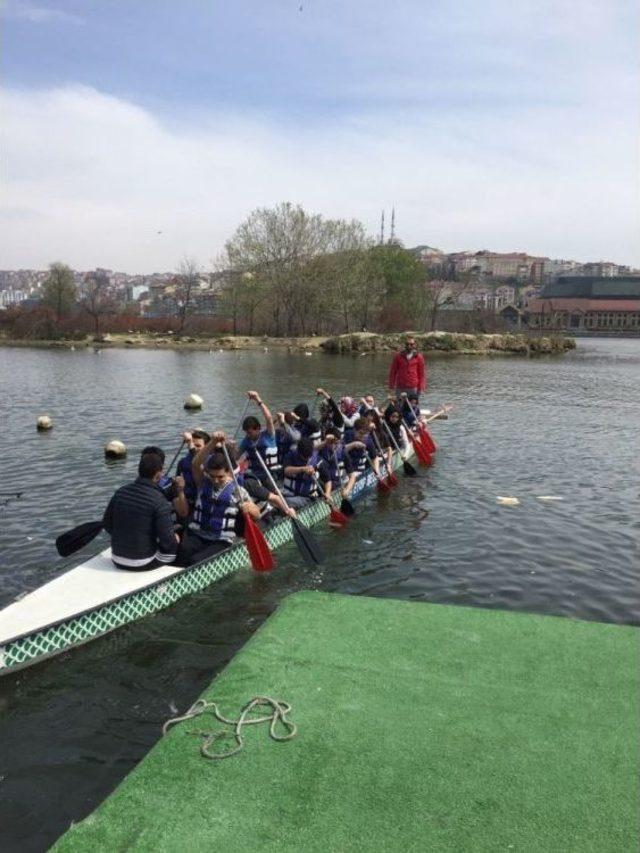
{"x": 194, "y": 549}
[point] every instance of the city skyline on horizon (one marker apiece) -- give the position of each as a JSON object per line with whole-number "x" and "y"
{"x": 150, "y": 133}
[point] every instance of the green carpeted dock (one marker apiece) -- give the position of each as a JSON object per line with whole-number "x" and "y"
{"x": 421, "y": 727}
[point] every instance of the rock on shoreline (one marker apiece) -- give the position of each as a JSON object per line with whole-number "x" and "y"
{"x": 451, "y": 343}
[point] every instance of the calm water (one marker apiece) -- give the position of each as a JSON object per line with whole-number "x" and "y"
{"x": 71, "y": 728}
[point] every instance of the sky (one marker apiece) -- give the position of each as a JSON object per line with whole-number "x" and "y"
{"x": 136, "y": 133}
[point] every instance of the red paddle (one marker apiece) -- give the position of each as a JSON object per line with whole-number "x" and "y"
{"x": 262, "y": 559}
{"x": 426, "y": 438}
{"x": 424, "y": 457}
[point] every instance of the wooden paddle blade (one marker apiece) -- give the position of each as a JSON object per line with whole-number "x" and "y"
{"x": 347, "y": 507}
{"x": 427, "y": 439}
{"x": 337, "y": 517}
{"x": 71, "y": 541}
{"x": 408, "y": 468}
{"x": 261, "y": 557}
{"x": 307, "y": 545}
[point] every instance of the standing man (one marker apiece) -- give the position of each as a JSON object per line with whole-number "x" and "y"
{"x": 408, "y": 372}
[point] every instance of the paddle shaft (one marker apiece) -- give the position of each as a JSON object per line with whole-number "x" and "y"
{"x": 393, "y": 439}
{"x": 244, "y": 412}
{"x": 173, "y": 461}
{"x": 381, "y": 452}
{"x": 271, "y": 480}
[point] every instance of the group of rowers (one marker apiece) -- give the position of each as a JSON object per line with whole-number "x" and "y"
{"x": 280, "y": 465}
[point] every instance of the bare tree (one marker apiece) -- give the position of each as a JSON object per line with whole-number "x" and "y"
{"x": 186, "y": 283}
{"x": 96, "y": 299}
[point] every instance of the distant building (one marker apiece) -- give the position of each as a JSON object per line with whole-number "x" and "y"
{"x": 11, "y": 297}
{"x": 588, "y": 303}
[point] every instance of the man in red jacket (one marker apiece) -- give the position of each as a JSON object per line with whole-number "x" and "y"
{"x": 408, "y": 372}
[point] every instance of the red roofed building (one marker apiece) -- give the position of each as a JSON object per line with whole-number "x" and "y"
{"x": 588, "y": 303}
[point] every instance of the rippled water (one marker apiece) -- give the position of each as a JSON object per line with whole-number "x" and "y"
{"x": 72, "y": 727}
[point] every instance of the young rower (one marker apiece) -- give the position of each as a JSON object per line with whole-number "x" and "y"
{"x": 331, "y": 416}
{"x": 393, "y": 421}
{"x": 409, "y": 405}
{"x": 367, "y": 405}
{"x": 218, "y": 513}
{"x": 350, "y": 414}
{"x": 362, "y": 450}
{"x": 300, "y": 480}
{"x": 308, "y": 426}
{"x": 334, "y": 465}
{"x": 260, "y": 441}
{"x": 195, "y": 441}
{"x": 259, "y": 492}
{"x": 287, "y": 434}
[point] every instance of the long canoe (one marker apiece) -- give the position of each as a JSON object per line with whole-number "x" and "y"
{"x": 95, "y": 597}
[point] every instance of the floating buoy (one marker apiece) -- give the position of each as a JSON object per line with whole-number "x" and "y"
{"x": 193, "y": 401}
{"x": 549, "y": 498}
{"x": 115, "y": 449}
{"x": 44, "y": 423}
{"x": 506, "y": 501}
{"x": 308, "y": 353}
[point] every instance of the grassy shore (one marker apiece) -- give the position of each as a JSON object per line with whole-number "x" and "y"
{"x": 362, "y": 343}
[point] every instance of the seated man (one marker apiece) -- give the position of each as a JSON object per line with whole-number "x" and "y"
{"x": 307, "y": 426}
{"x": 138, "y": 519}
{"x": 195, "y": 441}
{"x": 300, "y": 478}
{"x": 218, "y": 514}
{"x": 260, "y": 442}
{"x": 335, "y": 465}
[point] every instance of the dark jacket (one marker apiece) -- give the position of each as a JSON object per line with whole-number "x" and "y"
{"x": 138, "y": 520}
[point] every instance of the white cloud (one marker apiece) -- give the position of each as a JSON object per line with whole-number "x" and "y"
{"x": 39, "y": 14}
{"x": 90, "y": 179}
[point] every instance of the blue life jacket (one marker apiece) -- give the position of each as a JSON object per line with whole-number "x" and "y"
{"x": 333, "y": 464}
{"x": 286, "y": 440}
{"x": 185, "y": 470}
{"x": 358, "y": 457}
{"x": 304, "y": 485}
{"x": 267, "y": 446}
{"x": 216, "y": 512}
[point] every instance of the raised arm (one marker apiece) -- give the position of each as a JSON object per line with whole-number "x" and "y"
{"x": 217, "y": 438}
{"x": 338, "y": 419}
{"x": 268, "y": 419}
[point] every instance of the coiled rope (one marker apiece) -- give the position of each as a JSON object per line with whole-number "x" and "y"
{"x": 279, "y": 711}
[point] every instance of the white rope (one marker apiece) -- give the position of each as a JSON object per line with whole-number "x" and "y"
{"x": 201, "y": 706}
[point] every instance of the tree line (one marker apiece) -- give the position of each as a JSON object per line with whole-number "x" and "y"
{"x": 284, "y": 272}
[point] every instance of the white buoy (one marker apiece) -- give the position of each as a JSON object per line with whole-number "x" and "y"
{"x": 115, "y": 449}
{"x": 507, "y": 501}
{"x": 193, "y": 401}
{"x": 44, "y": 423}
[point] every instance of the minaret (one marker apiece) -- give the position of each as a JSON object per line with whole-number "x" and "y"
{"x": 382, "y": 229}
{"x": 392, "y": 237}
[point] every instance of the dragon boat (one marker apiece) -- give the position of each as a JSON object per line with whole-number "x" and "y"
{"x": 95, "y": 597}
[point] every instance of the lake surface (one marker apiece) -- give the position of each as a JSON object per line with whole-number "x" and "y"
{"x": 565, "y": 426}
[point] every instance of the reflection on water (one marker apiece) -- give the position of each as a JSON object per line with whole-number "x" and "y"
{"x": 71, "y": 728}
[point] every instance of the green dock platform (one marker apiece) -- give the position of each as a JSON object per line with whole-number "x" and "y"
{"x": 421, "y": 728}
